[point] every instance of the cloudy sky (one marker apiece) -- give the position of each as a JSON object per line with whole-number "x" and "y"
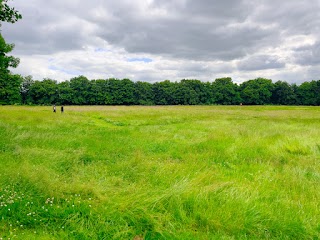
{"x": 155, "y": 40}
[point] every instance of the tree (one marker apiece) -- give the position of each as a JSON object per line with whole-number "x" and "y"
{"x": 309, "y": 92}
{"x": 191, "y": 92}
{"x": 183, "y": 94}
{"x": 9, "y": 88}
{"x": 225, "y": 92}
{"x": 80, "y": 90}
{"x": 257, "y": 91}
{"x": 64, "y": 93}
{"x": 43, "y": 92}
{"x": 126, "y": 92}
{"x": 9, "y": 84}
{"x": 143, "y": 93}
{"x": 163, "y": 93}
{"x": 283, "y": 94}
{"x": 25, "y": 88}
{"x": 8, "y": 14}
{"x": 7, "y": 61}
{"x": 99, "y": 92}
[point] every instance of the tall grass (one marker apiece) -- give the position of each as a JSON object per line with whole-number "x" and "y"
{"x": 200, "y": 172}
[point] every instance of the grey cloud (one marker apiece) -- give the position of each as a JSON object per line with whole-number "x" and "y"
{"x": 195, "y": 67}
{"x": 236, "y": 10}
{"x": 199, "y": 30}
{"x": 192, "y": 30}
{"x": 187, "y": 40}
{"x": 313, "y": 73}
{"x": 292, "y": 17}
{"x": 181, "y": 30}
{"x": 207, "y": 9}
{"x": 260, "y": 63}
{"x": 46, "y": 31}
{"x": 308, "y": 55}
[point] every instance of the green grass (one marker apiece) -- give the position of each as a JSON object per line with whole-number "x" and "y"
{"x": 198, "y": 172}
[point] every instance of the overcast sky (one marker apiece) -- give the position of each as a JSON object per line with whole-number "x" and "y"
{"x": 155, "y": 40}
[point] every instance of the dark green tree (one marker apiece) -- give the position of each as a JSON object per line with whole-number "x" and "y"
{"x": 80, "y": 90}
{"x": 65, "y": 93}
{"x": 43, "y": 92}
{"x": 7, "y": 61}
{"x": 9, "y": 83}
{"x": 257, "y": 91}
{"x": 225, "y": 92}
{"x": 183, "y": 94}
{"x": 121, "y": 92}
{"x": 25, "y": 88}
{"x": 283, "y": 94}
{"x": 317, "y": 92}
{"x": 7, "y": 13}
{"x": 113, "y": 89}
{"x": 99, "y": 92}
{"x": 143, "y": 93}
{"x": 192, "y": 92}
{"x": 126, "y": 92}
{"x": 164, "y": 93}
{"x": 308, "y": 93}
{"x": 9, "y": 88}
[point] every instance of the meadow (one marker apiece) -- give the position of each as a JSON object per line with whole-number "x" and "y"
{"x": 161, "y": 172}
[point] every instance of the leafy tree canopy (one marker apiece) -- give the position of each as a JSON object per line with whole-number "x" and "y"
{"x": 8, "y": 14}
{"x": 9, "y": 83}
{"x": 6, "y": 61}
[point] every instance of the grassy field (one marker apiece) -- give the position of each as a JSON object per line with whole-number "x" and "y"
{"x": 176, "y": 172}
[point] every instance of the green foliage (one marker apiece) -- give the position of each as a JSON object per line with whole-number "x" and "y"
{"x": 122, "y": 92}
{"x": 99, "y": 92}
{"x": 225, "y": 92}
{"x": 82, "y": 91}
{"x": 191, "y": 92}
{"x": 42, "y": 92}
{"x": 163, "y": 93}
{"x": 9, "y": 88}
{"x": 6, "y": 61}
{"x": 8, "y": 14}
{"x": 65, "y": 96}
{"x": 25, "y": 86}
{"x": 9, "y": 84}
{"x": 257, "y": 91}
{"x": 143, "y": 93}
{"x": 283, "y": 94}
{"x": 309, "y": 93}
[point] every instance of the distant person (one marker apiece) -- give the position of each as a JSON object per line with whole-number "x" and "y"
{"x": 62, "y": 109}
{"x": 54, "y": 108}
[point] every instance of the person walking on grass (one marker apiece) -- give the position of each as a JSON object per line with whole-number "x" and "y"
{"x": 62, "y": 109}
{"x": 54, "y": 108}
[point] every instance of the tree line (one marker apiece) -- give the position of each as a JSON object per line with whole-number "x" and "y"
{"x": 223, "y": 91}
